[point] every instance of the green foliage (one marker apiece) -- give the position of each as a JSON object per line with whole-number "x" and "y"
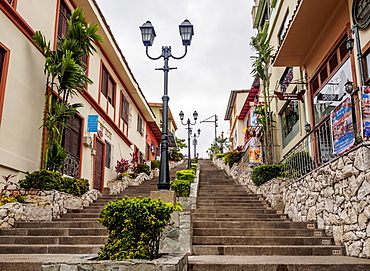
{"x": 220, "y": 155}
{"x": 298, "y": 164}
{"x": 264, "y": 173}
{"x": 187, "y": 174}
{"x": 56, "y": 156}
{"x": 194, "y": 160}
{"x": 143, "y": 168}
{"x": 155, "y": 164}
{"x": 233, "y": 157}
{"x": 4, "y": 199}
{"x": 135, "y": 226}
{"x": 181, "y": 187}
{"x": 126, "y": 174}
{"x": 175, "y": 155}
{"x": 181, "y": 143}
{"x": 47, "y": 180}
{"x": 194, "y": 167}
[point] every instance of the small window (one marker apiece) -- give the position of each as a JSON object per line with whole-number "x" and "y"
{"x": 108, "y": 154}
{"x": 333, "y": 62}
{"x": 124, "y": 109}
{"x": 2, "y": 57}
{"x": 64, "y": 14}
{"x": 108, "y": 86}
{"x": 140, "y": 125}
{"x": 323, "y": 74}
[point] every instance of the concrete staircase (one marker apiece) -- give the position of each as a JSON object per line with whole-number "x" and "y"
{"x": 77, "y": 233}
{"x": 236, "y": 230}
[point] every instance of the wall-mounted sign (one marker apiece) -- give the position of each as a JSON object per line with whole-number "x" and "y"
{"x": 291, "y": 96}
{"x": 343, "y": 134}
{"x": 255, "y": 154}
{"x": 361, "y": 13}
{"x": 92, "y": 123}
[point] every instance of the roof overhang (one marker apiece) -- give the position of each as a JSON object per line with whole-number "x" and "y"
{"x": 310, "y": 19}
{"x": 155, "y": 130}
{"x": 246, "y": 107}
{"x": 230, "y": 104}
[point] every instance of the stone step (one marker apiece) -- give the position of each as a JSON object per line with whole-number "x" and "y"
{"x": 253, "y": 224}
{"x": 276, "y": 263}
{"x": 52, "y": 249}
{"x": 261, "y": 240}
{"x": 216, "y": 212}
{"x": 52, "y": 240}
{"x": 54, "y": 232}
{"x": 60, "y": 224}
{"x": 256, "y": 215}
{"x": 256, "y": 232}
{"x": 307, "y": 250}
{"x": 241, "y": 219}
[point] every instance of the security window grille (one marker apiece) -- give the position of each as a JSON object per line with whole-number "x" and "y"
{"x": 124, "y": 109}
{"x": 108, "y": 154}
{"x": 64, "y": 15}
{"x": 140, "y": 125}
{"x": 107, "y": 86}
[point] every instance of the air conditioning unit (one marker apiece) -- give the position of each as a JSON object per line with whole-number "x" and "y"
{"x": 88, "y": 141}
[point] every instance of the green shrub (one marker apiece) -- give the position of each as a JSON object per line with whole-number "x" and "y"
{"x": 42, "y": 179}
{"x": 4, "y": 199}
{"x": 155, "y": 164}
{"x": 233, "y": 157}
{"x": 194, "y": 167}
{"x": 47, "y": 180}
{"x": 143, "y": 168}
{"x": 135, "y": 226}
{"x": 126, "y": 174}
{"x": 181, "y": 187}
{"x": 74, "y": 186}
{"x": 194, "y": 160}
{"x": 220, "y": 155}
{"x": 185, "y": 175}
{"x": 264, "y": 173}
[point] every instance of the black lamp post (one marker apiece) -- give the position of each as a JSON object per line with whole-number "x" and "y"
{"x": 188, "y": 123}
{"x": 350, "y": 44}
{"x": 148, "y": 35}
{"x": 195, "y": 142}
{"x": 222, "y": 142}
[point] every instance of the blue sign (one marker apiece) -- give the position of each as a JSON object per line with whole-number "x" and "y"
{"x": 92, "y": 123}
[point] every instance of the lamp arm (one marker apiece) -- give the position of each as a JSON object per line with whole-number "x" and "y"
{"x": 186, "y": 51}
{"x": 152, "y": 58}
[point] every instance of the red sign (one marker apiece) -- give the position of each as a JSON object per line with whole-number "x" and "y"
{"x": 291, "y": 96}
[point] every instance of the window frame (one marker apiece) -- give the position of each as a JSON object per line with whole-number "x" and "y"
{"x": 4, "y": 66}
{"x": 140, "y": 124}
{"x": 125, "y": 108}
{"x": 106, "y": 79}
{"x": 63, "y": 16}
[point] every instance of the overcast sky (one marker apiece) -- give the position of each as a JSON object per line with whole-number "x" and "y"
{"x": 217, "y": 62}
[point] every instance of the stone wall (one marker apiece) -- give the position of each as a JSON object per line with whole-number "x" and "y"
{"x": 42, "y": 205}
{"x": 335, "y": 195}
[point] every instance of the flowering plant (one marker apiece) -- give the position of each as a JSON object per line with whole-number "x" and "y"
{"x": 122, "y": 166}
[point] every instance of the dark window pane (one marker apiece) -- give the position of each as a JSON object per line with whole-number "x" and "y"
{"x": 2, "y": 54}
{"x": 333, "y": 62}
{"x": 64, "y": 15}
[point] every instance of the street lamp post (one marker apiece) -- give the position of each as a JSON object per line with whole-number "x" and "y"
{"x": 195, "y": 142}
{"x": 148, "y": 35}
{"x": 222, "y": 142}
{"x": 188, "y": 123}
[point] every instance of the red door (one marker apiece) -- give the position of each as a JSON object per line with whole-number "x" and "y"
{"x": 99, "y": 165}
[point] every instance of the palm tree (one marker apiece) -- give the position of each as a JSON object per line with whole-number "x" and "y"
{"x": 261, "y": 65}
{"x": 66, "y": 76}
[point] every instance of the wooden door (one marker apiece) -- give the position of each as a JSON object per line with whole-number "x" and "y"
{"x": 99, "y": 165}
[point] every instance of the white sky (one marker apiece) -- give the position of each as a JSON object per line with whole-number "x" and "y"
{"x": 218, "y": 59}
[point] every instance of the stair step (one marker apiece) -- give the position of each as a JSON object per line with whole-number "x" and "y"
{"x": 52, "y": 240}
{"x": 46, "y": 249}
{"x": 276, "y": 263}
{"x": 60, "y": 224}
{"x": 54, "y": 231}
{"x": 260, "y": 240}
{"x": 256, "y": 232}
{"x": 251, "y": 224}
{"x": 267, "y": 250}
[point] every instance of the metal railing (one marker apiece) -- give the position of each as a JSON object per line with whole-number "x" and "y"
{"x": 313, "y": 150}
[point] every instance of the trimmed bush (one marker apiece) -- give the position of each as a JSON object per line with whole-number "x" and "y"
{"x": 233, "y": 157}
{"x": 135, "y": 226}
{"x": 264, "y": 173}
{"x": 155, "y": 164}
{"x": 47, "y": 180}
{"x": 143, "y": 168}
{"x": 220, "y": 155}
{"x": 181, "y": 187}
{"x": 194, "y": 167}
{"x": 185, "y": 175}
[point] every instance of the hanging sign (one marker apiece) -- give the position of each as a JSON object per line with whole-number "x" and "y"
{"x": 255, "y": 154}
{"x": 343, "y": 134}
{"x": 92, "y": 123}
{"x": 291, "y": 96}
